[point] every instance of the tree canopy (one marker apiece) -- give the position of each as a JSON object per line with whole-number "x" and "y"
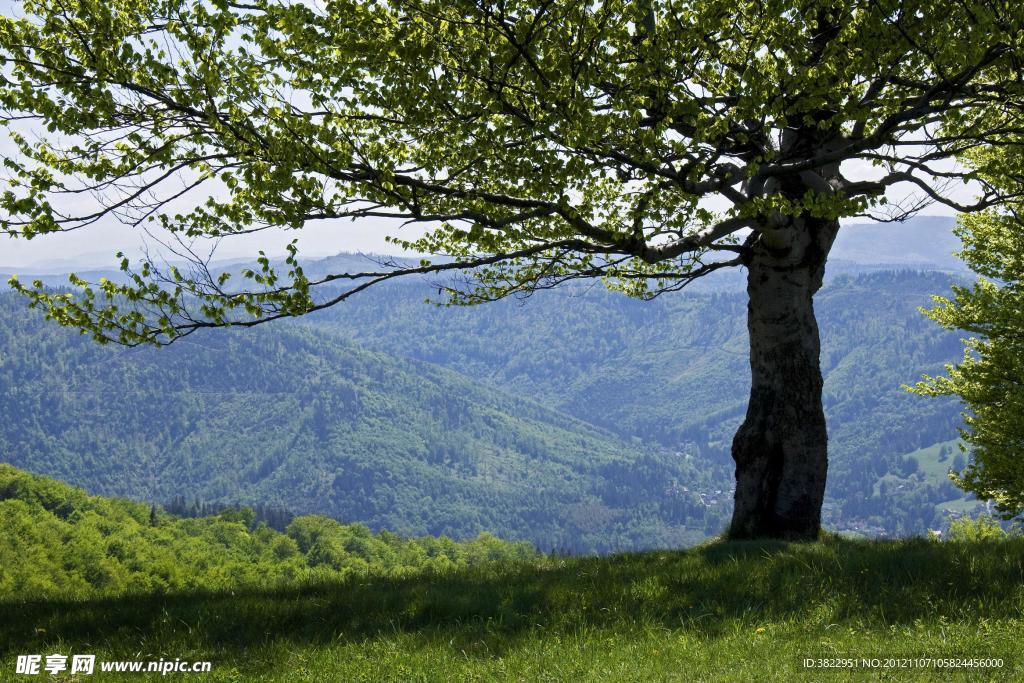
{"x": 989, "y": 378}
{"x": 646, "y": 143}
{"x": 64, "y": 542}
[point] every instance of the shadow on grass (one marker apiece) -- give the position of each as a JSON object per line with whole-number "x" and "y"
{"x": 702, "y": 590}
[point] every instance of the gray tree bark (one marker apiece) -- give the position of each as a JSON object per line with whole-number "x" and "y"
{"x": 781, "y": 449}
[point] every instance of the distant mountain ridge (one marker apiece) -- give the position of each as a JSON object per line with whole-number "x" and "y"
{"x": 924, "y": 242}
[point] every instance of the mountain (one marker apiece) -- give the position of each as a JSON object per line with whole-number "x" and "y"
{"x": 924, "y": 242}
{"x": 576, "y": 418}
{"x": 674, "y": 372}
{"x": 304, "y": 419}
{"x": 409, "y": 417}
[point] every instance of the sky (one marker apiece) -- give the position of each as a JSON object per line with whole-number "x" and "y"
{"x": 96, "y": 246}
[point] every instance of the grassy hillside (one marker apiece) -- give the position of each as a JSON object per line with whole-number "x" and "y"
{"x": 719, "y": 612}
{"x": 304, "y": 419}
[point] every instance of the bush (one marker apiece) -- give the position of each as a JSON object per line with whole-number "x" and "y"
{"x": 983, "y": 528}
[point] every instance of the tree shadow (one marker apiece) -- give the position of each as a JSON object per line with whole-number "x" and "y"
{"x": 703, "y": 590}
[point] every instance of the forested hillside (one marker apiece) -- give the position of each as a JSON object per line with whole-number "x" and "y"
{"x": 579, "y": 419}
{"x": 674, "y": 372}
{"x": 60, "y": 542}
{"x": 300, "y": 418}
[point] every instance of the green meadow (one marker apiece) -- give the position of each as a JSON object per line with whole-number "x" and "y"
{"x": 720, "y": 612}
{"x": 324, "y": 601}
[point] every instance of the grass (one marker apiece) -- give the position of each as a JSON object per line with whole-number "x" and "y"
{"x": 928, "y": 460}
{"x": 936, "y": 472}
{"x": 721, "y": 612}
{"x": 933, "y": 471}
{"x": 961, "y": 505}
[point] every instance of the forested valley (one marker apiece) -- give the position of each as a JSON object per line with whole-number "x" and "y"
{"x": 578, "y": 420}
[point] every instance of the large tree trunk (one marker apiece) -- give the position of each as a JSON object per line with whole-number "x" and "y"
{"x": 781, "y": 448}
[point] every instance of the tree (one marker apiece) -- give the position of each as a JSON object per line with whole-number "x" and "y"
{"x": 647, "y": 143}
{"x": 989, "y": 378}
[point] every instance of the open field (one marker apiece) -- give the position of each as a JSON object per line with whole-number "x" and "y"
{"x": 720, "y": 612}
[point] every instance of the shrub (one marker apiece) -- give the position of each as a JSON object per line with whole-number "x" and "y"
{"x": 984, "y": 528}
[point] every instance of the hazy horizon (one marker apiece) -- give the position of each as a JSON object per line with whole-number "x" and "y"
{"x": 96, "y": 247}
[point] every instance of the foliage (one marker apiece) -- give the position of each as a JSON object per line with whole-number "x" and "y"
{"x": 975, "y": 530}
{"x": 275, "y": 516}
{"x": 539, "y": 142}
{"x": 720, "y": 612}
{"x": 988, "y": 379}
{"x": 60, "y": 542}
